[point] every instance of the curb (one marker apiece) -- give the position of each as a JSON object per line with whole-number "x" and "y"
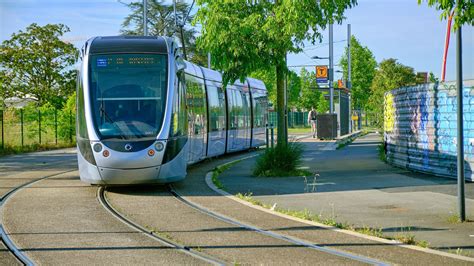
{"x": 224, "y": 193}
{"x": 347, "y": 138}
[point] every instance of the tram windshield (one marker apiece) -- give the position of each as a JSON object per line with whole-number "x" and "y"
{"x": 128, "y": 94}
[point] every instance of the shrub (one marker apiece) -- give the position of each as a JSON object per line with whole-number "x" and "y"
{"x": 283, "y": 160}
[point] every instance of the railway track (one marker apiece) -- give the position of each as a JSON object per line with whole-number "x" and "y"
{"x": 5, "y": 239}
{"x": 163, "y": 240}
{"x": 289, "y": 239}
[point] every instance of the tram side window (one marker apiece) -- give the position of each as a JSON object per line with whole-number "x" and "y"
{"x": 259, "y": 110}
{"x": 196, "y": 108}
{"x": 216, "y": 108}
{"x": 245, "y": 110}
{"x": 239, "y": 108}
{"x": 232, "y": 109}
{"x": 81, "y": 126}
{"x": 179, "y": 120}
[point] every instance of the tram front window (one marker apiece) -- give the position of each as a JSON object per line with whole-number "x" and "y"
{"x": 128, "y": 94}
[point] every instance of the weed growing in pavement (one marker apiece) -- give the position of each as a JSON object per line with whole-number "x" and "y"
{"x": 406, "y": 238}
{"x": 331, "y": 221}
{"x": 454, "y": 219}
{"x": 423, "y": 244}
{"x": 282, "y": 160}
{"x": 377, "y": 232}
{"x": 382, "y": 154}
{"x": 460, "y": 252}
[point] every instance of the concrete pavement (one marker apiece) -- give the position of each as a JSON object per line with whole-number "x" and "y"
{"x": 354, "y": 186}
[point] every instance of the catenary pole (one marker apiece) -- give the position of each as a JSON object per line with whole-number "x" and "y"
{"x": 145, "y": 24}
{"x": 348, "y": 83}
{"x": 460, "y": 135}
{"x": 331, "y": 71}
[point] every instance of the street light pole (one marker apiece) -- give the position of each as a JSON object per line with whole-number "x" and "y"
{"x": 460, "y": 137}
{"x": 349, "y": 69}
{"x": 331, "y": 69}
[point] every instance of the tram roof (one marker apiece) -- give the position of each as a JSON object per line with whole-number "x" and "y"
{"x": 256, "y": 84}
{"x": 128, "y": 44}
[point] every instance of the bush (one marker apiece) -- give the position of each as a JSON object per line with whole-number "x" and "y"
{"x": 280, "y": 161}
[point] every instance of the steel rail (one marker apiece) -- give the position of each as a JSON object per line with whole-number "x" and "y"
{"x": 165, "y": 241}
{"x": 272, "y": 234}
{"x": 10, "y": 245}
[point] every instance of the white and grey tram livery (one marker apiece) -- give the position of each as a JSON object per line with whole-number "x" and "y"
{"x": 144, "y": 114}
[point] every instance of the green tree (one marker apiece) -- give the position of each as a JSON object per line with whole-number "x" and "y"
{"x": 433, "y": 78}
{"x": 268, "y": 76}
{"x": 245, "y": 36}
{"x": 36, "y": 62}
{"x": 161, "y": 21}
{"x": 389, "y": 76}
{"x": 309, "y": 90}
{"x": 463, "y": 10}
{"x": 363, "y": 67}
{"x": 323, "y": 104}
{"x": 294, "y": 89}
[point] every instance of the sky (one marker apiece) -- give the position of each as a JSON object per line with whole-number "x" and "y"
{"x": 401, "y": 29}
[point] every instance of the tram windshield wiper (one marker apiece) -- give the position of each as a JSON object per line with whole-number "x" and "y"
{"x": 112, "y": 122}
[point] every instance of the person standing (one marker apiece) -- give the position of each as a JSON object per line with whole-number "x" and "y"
{"x": 312, "y": 120}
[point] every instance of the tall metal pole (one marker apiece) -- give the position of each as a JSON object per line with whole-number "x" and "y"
{"x": 209, "y": 60}
{"x": 286, "y": 98}
{"x": 145, "y": 24}
{"x": 349, "y": 69}
{"x": 331, "y": 71}
{"x": 460, "y": 139}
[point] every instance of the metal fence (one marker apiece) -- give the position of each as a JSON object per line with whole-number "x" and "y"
{"x": 32, "y": 126}
{"x": 295, "y": 119}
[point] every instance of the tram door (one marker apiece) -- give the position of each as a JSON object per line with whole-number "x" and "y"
{"x": 195, "y": 95}
{"x": 217, "y": 119}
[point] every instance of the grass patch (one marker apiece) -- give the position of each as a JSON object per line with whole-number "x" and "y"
{"x": 8, "y": 150}
{"x": 299, "y": 130}
{"x": 218, "y": 170}
{"x": 216, "y": 180}
{"x": 282, "y": 160}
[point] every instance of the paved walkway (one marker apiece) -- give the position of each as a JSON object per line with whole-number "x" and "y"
{"x": 354, "y": 186}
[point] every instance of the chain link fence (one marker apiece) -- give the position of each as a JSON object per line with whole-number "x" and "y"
{"x": 29, "y": 126}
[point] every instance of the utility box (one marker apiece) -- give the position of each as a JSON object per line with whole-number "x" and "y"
{"x": 326, "y": 126}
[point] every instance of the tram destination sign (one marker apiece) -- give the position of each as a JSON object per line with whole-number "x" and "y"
{"x": 322, "y": 74}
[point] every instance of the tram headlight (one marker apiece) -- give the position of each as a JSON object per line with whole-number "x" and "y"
{"x": 97, "y": 147}
{"x": 159, "y": 146}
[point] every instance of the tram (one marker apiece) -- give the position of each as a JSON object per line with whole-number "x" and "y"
{"x": 144, "y": 113}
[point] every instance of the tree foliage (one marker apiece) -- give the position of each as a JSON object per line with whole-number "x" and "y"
{"x": 37, "y": 63}
{"x": 463, "y": 10}
{"x": 161, "y": 21}
{"x": 323, "y": 104}
{"x": 246, "y": 36}
{"x": 389, "y": 76}
{"x": 309, "y": 90}
{"x": 363, "y": 67}
{"x": 268, "y": 76}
